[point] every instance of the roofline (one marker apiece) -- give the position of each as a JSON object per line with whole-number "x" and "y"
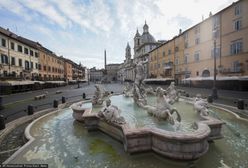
{"x": 234, "y": 3}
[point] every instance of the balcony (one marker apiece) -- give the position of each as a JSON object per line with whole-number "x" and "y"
{"x": 168, "y": 65}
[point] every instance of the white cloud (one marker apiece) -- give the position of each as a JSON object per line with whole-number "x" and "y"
{"x": 46, "y": 9}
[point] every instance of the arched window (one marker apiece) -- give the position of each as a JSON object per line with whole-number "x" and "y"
{"x": 205, "y": 73}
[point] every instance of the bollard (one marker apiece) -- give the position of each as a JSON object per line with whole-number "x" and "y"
{"x": 241, "y": 104}
{"x": 55, "y": 104}
{"x": 30, "y": 109}
{"x": 2, "y": 122}
{"x": 1, "y": 103}
{"x": 84, "y": 95}
{"x": 210, "y": 99}
{"x": 63, "y": 99}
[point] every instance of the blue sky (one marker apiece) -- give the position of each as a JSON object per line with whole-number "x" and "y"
{"x": 81, "y": 29}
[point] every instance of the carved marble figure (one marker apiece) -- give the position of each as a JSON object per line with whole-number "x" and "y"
{"x": 99, "y": 96}
{"x": 201, "y": 106}
{"x": 111, "y": 113}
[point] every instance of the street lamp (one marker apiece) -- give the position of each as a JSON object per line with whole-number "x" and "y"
{"x": 214, "y": 91}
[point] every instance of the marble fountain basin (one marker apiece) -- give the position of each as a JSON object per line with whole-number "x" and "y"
{"x": 141, "y": 132}
{"x": 58, "y": 140}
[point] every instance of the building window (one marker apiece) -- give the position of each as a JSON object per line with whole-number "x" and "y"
{"x": 49, "y": 68}
{"x": 216, "y": 33}
{"x": 176, "y": 49}
{"x": 186, "y": 59}
{"x": 163, "y": 54}
{"x": 5, "y": 73}
{"x": 236, "y": 47}
{"x": 31, "y": 65}
{"x": 186, "y": 44}
{"x": 217, "y": 52}
{"x": 237, "y": 10}
{"x": 3, "y": 42}
{"x": 169, "y": 52}
{"x": 37, "y": 55}
{"x": 197, "y": 57}
{"x": 25, "y": 50}
{"x": 4, "y": 59}
{"x": 12, "y": 60}
{"x": 31, "y": 52}
{"x": 176, "y": 61}
{"x": 197, "y": 40}
{"x": 39, "y": 66}
{"x": 185, "y": 36}
{"x": 237, "y": 25}
{"x": 19, "y": 48}
{"x": 197, "y": 30}
{"x": 216, "y": 22}
{"x": 44, "y": 68}
{"x": 236, "y": 66}
{"x": 12, "y": 45}
{"x": 26, "y": 65}
{"x": 20, "y": 62}
{"x": 197, "y": 73}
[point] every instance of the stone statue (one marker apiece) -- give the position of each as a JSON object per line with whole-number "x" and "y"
{"x": 99, "y": 96}
{"x": 201, "y": 106}
{"x": 171, "y": 94}
{"x": 162, "y": 110}
{"x": 150, "y": 91}
{"x": 111, "y": 113}
{"x": 128, "y": 90}
{"x": 139, "y": 92}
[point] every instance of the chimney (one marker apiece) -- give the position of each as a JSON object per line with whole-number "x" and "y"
{"x": 180, "y": 31}
{"x": 105, "y": 59}
{"x": 210, "y": 14}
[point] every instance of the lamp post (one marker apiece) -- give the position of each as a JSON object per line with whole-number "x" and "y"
{"x": 214, "y": 91}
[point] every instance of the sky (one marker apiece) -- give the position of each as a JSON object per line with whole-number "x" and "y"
{"x": 81, "y": 29}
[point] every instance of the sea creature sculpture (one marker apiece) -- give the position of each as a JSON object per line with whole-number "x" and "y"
{"x": 201, "y": 106}
{"x": 99, "y": 96}
{"x": 111, "y": 113}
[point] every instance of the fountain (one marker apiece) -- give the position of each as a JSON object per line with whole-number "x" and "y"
{"x": 186, "y": 145}
{"x": 142, "y": 120}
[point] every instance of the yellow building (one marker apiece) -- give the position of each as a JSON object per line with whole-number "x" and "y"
{"x": 68, "y": 69}
{"x": 161, "y": 60}
{"x": 19, "y": 56}
{"x": 51, "y": 67}
{"x": 224, "y": 35}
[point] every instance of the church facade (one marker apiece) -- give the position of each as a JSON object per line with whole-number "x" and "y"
{"x": 143, "y": 44}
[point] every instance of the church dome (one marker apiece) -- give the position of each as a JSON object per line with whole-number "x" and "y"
{"x": 146, "y": 36}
